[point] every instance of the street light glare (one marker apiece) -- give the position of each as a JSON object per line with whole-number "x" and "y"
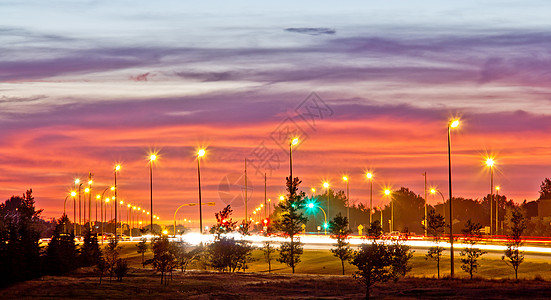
{"x": 152, "y": 157}
{"x": 387, "y": 192}
{"x": 117, "y": 167}
{"x": 432, "y": 191}
{"x": 201, "y": 152}
{"x": 345, "y": 178}
{"x": 295, "y": 141}
{"x": 98, "y": 196}
{"x": 326, "y": 184}
{"x": 369, "y": 175}
{"x": 454, "y": 123}
{"x": 87, "y": 190}
{"x": 77, "y": 181}
{"x": 310, "y": 205}
{"x": 497, "y": 187}
{"x": 112, "y": 188}
{"x": 90, "y": 181}
{"x": 281, "y": 198}
{"x": 489, "y": 162}
{"x": 73, "y": 194}
{"x": 313, "y": 190}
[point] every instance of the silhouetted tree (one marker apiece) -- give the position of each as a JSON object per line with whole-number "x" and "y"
{"x": 19, "y": 239}
{"x": 101, "y": 268}
{"x": 61, "y": 254}
{"x": 121, "y": 269}
{"x": 435, "y": 228}
{"x": 290, "y": 223}
{"x": 111, "y": 256}
{"x": 224, "y": 222}
{"x": 340, "y": 232}
{"x": 545, "y": 189}
{"x": 513, "y": 256}
{"x": 380, "y": 262}
{"x": 89, "y": 251}
{"x": 142, "y": 249}
{"x": 471, "y": 254}
{"x": 163, "y": 260}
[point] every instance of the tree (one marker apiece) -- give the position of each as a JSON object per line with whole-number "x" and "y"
{"x": 379, "y": 262}
{"x": 184, "y": 254}
{"x": 19, "y": 239}
{"x": 224, "y": 222}
{"x": 90, "y": 252}
{"x": 142, "y": 249}
{"x": 290, "y": 222}
{"x": 226, "y": 253}
{"x": 269, "y": 252}
{"x": 121, "y": 269}
{"x": 111, "y": 256}
{"x": 435, "y": 228}
{"x": 545, "y": 189}
{"x": 472, "y": 235}
{"x": 340, "y": 232}
{"x": 101, "y": 267}
{"x": 61, "y": 253}
{"x": 512, "y": 255}
{"x": 163, "y": 260}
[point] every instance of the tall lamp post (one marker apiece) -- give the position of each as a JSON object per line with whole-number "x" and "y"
{"x": 117, "y": 168}
{"x": 200, "y": 154}
{"x": 345, "y": 178}
{"x": 311, "y": 205}
{"x": 369, "y": 176}
{"x": 451, "y": 124}
{"x": 434, "y": 191}
{"x": 152, "y": 158}
{"x": 291, "y": 144}
{"x": 77, "y": 182}
{"x": 497, "y": 209}
{"x": 387, "y": 193}
{"x": 490, "y": 164}
{"x": 326, "y": 186}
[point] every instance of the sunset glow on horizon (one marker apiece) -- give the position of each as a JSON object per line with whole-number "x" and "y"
{"x": 369, "y": 92}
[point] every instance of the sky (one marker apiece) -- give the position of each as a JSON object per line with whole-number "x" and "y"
{"x": 367, "y": 86}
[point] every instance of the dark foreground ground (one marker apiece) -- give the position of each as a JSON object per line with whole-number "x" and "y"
{"x": 144, "y": 284}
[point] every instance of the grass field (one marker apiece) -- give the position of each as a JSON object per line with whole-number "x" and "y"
{"x": 322, "y": 262}
{"x": 318, "y": 277}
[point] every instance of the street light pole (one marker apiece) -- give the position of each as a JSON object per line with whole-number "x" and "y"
{"x": 497, "y": 210}
{"x": 452, "y": 124}
{"x": 345, "y": 178}
{"x": 490, "y": 163}
{"x": 369, "y": 176}
{"x": 326, "y": 186}
{"x": 117, "y": 168}
{"x": 425, "y": 224}
{"x": 387, "y": 193}
{"x": 200, "y": 154}
{"x": 152, "y": 158}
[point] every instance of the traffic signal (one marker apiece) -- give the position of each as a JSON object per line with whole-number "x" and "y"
{"x": 266, "y": 221}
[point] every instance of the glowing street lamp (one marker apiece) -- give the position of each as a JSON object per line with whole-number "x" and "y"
{"x": 326, "y": 186}
{"x": 77, "y": 182}
{"x": 451, "y": 124}
{"x": 116, "y": 169}
{"x": 292, "y": 143}
{"x": 434, "y": 191}
{"x": 497, "y": 209}
{"x": 200, "y": 153}
{"x": 325, "y": 225}
{"x": 387, "y": 193}
{"x": 152, "y": 158}
{"x": 490, "y": 164}
{"x": 345, "y": 178}
{"x": 369, "y": 176}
